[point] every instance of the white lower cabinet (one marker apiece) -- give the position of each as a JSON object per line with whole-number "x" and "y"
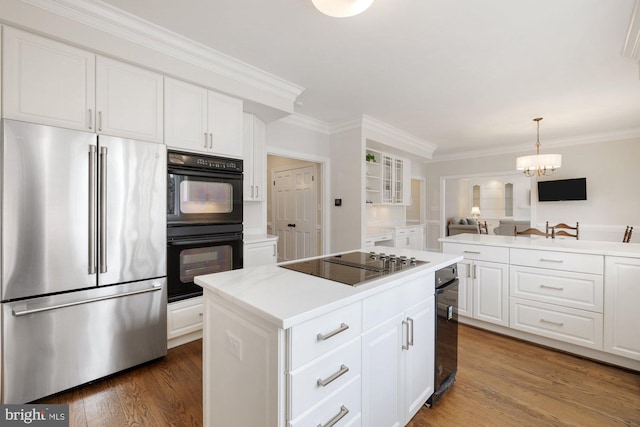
{"x": 184, "y": 321}
{"x": 484, "y": 282}
{"x": 368, "y": 363}
{"x": 260, "y": 252}
{"x": 621, "y": 312}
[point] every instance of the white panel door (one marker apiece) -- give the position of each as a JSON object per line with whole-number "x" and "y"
{"x": 621, "y": 313}
{"x": 47, "y": 82}
{"x": 129, "y": 101}
{"x": 225, "y": 124}
{"x": 283, "y": 215}
{"x": 185, "y": 116}
{"x": 491, "y": 292}
{"x": 420, "y": 358}
{"x": 383, "y": 374}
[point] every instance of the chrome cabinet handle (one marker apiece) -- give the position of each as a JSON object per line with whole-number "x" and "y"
{"x": 323, "y": 383}
{"x": 468, "y": 272}
{"x": 552, "y": 322}
{"x": 100, "y": 121}
{"x": 557, "y": 288}
{"x": 475, "y": 271}
{"x": 257, "y": 192}
{"x": 252, "y": 191}
{"x": 333, "y": 421}
{"x": 205, "y": 140}
{"x": 274, "y": 249}
{"x": 551, "y": 260}
{"x": 210, "y": 140}
{"x": 410, "y": 320}
{"x": 406, "y": 346}
{"x": 343, "y": 327}
{"x": 472, "y": 252}
{"x": 103, "y": 209}
{"x": 90, "y": 119}
{"x": 92, "y": 209}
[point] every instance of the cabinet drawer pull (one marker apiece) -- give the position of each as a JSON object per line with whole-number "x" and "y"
{"x": 559, "y": 261}
{"x": 205, "y": 140}
{"x": 552, "y": 322}
{"x": 472, "y": 252}
{"x": 556, "y": 288}
{"x": 100, "y": 121}
{"x": 343, "y": 327}
{"x": 90, "y": 119}
{"x": 333, "y": 421}
{"x": 323, "y": 383}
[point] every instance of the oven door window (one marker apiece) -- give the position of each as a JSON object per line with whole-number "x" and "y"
{"x": 205, "y": 197}
{"x": 199, "y": 261}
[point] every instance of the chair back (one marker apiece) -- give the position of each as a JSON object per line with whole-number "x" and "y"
{"x": 529, "y": 232}
{"x": 627, "y": 234}
{"x": 482, "y": 226}
{"x": 562, "y": 230}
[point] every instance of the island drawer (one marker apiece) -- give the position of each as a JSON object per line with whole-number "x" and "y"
{"x": 322, "y": 377}
{"x": 566, "y": 261}
{"x": 580, "y": 327}
{"x": 344, "y": 407}
{"x": 478, "y": 252}
{"x": 577, "y": 290}
{"x": 322, "y": 334}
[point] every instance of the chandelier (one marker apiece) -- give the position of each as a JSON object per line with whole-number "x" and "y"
{"x": 342, "y": 8}
{"x": 539, "y": 164}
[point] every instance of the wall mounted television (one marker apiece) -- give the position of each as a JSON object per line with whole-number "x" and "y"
{"x": 562, "y": 189}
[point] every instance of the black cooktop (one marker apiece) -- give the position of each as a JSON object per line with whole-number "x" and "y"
{"x": 354, "y": 268}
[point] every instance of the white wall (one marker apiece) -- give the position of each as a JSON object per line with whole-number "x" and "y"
{"x": 612, "y": 180}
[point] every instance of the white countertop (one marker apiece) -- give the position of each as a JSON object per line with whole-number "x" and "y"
{"x": 558, "y": 244}
{"x": 286, "y": 298}
{"x": 255, "y": 238}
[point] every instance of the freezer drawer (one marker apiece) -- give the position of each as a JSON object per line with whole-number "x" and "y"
{"x": 55, "y": 343}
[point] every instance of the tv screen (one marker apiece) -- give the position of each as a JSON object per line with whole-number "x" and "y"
{"x": 562, "y": 189}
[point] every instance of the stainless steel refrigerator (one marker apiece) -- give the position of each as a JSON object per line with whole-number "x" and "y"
{"x": 83, "y": 257}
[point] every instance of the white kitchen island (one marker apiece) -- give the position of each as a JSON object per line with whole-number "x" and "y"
{"x": 574, "y": 295}
{"x": 283, "y": 348}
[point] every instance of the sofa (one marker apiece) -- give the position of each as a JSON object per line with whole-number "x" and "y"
{"x": 462, "y": 225}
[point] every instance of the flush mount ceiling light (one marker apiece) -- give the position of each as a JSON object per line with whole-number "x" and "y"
{"x": 540, "y": 164}
{"x": 342, "y": 8}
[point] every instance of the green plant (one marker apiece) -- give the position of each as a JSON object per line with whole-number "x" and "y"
{"x": 370, "y": 158}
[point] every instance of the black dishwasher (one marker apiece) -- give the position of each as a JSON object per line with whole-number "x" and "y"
{"x": 446, "y": 343}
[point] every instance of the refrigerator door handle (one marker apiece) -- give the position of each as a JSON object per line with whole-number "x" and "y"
{"x": 22, "y": 310}
{"x": 92, "y": 209}
{"x": 103, "y": 209}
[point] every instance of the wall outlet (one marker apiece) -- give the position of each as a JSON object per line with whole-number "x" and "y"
{"x": 233, "y": 345}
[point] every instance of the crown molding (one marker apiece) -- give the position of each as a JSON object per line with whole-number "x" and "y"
{"x": 557, "y": 143}
{"x": 116, "y": 22}
{"x": 306, "y": 122}
{"x": 401, "y": 139}
{"x": 631, "y": 48}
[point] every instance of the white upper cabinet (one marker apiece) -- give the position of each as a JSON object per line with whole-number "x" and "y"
{"x": 197, "y": 119}
{"x": 55, "y": 84}
{"x": 254, "y": 158}
{"x": 128, "y": 101}
{"x": 47, "y": 82}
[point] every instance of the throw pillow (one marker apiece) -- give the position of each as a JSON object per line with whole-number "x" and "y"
{"x": 463, "y": 221}
{"x": 472, "y": 221}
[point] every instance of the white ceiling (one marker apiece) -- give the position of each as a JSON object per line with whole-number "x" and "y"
{"x": 465, "y": 75}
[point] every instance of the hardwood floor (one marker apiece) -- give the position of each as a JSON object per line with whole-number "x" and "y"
{"x": 500, "y": 382}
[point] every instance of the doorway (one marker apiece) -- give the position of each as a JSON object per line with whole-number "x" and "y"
{"x": 294, "y": 207}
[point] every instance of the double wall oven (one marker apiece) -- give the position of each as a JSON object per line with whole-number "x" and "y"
{"x": 204, "y": 219}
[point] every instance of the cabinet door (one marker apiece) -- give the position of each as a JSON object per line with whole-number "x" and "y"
{"x": 465, "y": 289}
{"x": 185, "y": 108}
{"x": 491, "y": 292}
{"x": 128, "y": 101}
{"x": 383, "y": 374}
{"x": 419, "y": 359}
{"x": 398, "y": 182}
{"x": 621, "y": 314}
{"x": 225, "y": 124}
{"x": 387, "y": 179}
{"x": 259, "y": 160}
{"x": 47, "y": 82}
{"x": 262, "y": 253}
